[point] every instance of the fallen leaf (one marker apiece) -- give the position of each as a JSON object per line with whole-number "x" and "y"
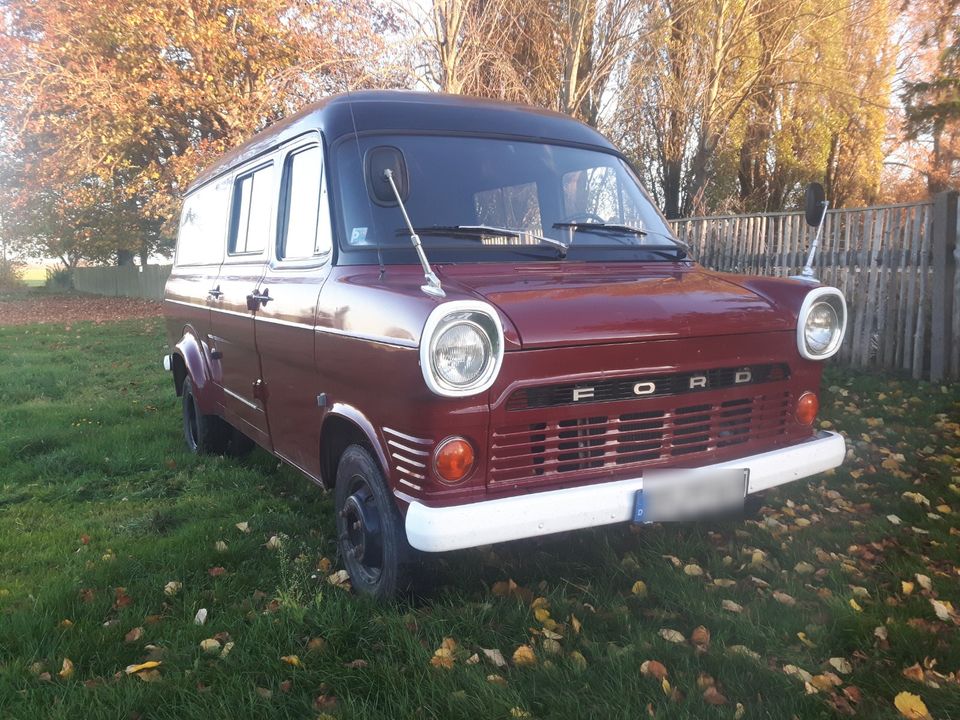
{"x": 291, "y": 660}
{"x": 693, "y": 570}
{"x": 149, "y": 665}
{"x": 172, "y": 588}
{"x": 880, "y": 632}
{"x": 340, "y": 577}
{"x": 654, "y": 669}
{"x": 700, "y": 638}
{"x": 639, "y": 589}
{"x": 783, "y": 598}
{"x": 149, "y": 676}
{"x": 804, "y": 568}
{"x": 133, "y": 635}
{"x": 943, "y": 610}
{"x": 265, "y": 693}
{"x": 273, "y": 543}
{"x": 243, "y": 527}
{"x": 551, "y": 647}
{"x": 575, "y": 624}
{"x": 120, "y": 598}
{"x": 226, "y": 650}
{"x": 894, "y": 519}
{"x": 724, "y": 582}
{"x": 324, "y": 703}
{"x": 841, "y": 665}
{"x": 855, "y": 605}
{"x": 825, "y": 682}
{"x": 853, "y": 693}
{"x": 714, "y": 696}
{"x": 802, "y": 636}
{"x": 906, "y": 587}
{"x": 797, "y": 672}
{"x": 911, "y": 706}
{"x": 924, "y": 581}
{"x": 216, "y": 571}
{"x": 494, "y": 656}
{"x": 496, "y": 680}
{"x": 473, "y": 660}
{"x": 671, "y": 635}
{"x": 66, "y": 670}
{"x": 524, "y": 656}
{"x": 357, "y": 664}
{"x": 201, "y": 617}
{"x": 65, "y": 624}
{"x": 578, "y": 660}
{"x": 210, "y": 645}
{"x": 745, "y": 651}
{"x": 316, "y": 644}
{"x": 914, "y": 672}
{"x": 220, "y": 546}
{"x": 731, "y": 606}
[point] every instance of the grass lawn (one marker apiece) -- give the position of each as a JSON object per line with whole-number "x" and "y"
{"x": 101, "y": 508}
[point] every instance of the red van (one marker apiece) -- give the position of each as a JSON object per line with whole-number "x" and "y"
{"x": 468, "y": 320}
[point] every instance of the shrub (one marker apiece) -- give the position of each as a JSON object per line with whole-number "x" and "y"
{"x": 59, "y": 278}
{"x": 11, "y": 274}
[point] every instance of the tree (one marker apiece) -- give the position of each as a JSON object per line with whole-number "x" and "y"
{"x": 114, "y": 105}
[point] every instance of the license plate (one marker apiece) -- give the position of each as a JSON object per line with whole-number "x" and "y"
{"x": 674, "y": 495}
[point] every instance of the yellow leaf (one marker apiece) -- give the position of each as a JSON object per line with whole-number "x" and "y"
{"x": 149, "y": 665}
{"x": 805, "y": 640}
{"x": 906, "y": 586}
{"x": 639, "y": 589}
{"x": 855, "y": 605}
{"x": 541, "y": 614}
{"x": 66, "y": 672}
{"x": 911, "y": 706}
{"x": 576, "y": 624}
{"x": 692, "y": 570}
{"x": 291, "y": 660}
{"x": 579, "y": 661}
{"x": 210, "y": 645}
{"x": 524, "y": 656}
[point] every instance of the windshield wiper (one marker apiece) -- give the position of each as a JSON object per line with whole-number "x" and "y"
{"x": 671, "y": 251}
{"x": 602, "y": 228}
{"x": 488, "y": 231}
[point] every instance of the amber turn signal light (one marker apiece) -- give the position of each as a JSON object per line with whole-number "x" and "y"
{"x": 453, "y": 459}
{"x": 807, "y": 407}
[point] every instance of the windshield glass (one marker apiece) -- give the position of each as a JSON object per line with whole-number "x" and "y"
{"x": 462, "y": 190}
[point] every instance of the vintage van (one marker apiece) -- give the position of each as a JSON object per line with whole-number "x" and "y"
{"x": 468, "y": 320}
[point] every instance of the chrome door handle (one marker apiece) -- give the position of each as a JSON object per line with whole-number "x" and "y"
{"x": 256, "y": 299}
{"x": 215, "y": 293}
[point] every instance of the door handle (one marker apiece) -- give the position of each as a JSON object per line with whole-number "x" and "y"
{"x": 215, "y": 293}
{"x": 256, "y": 299}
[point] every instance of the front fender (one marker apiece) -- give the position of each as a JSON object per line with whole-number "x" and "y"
{"x": 190, "y": 350}
{"x": 349, "y": 413}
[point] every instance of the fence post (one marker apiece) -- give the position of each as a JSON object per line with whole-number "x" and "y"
{"x": 943, "y": 263}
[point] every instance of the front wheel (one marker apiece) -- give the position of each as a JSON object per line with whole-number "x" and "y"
{"x": 370, "y": 531}
{"x": 204, "y": 434}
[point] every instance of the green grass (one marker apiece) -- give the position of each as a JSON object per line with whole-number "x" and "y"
{"x": 97, "y": 493}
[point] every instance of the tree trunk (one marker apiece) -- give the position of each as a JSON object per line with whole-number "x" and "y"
{"x": 124, "y": 257}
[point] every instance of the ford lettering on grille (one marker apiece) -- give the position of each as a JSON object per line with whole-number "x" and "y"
{"x": 610, "y": 390}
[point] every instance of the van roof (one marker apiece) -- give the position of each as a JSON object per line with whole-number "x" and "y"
{"x": 410, "y": 111}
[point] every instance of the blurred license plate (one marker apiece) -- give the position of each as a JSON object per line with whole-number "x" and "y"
{"x": 670, "y": 495}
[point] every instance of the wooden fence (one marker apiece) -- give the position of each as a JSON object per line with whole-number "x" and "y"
{"x": 125, "y": 281}
{"x": 895, "y": 264}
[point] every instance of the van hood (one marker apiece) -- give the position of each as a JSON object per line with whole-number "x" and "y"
{"x": 555, "y": 306}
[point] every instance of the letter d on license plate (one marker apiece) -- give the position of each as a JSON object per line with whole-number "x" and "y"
{"x": 670, "y": 495}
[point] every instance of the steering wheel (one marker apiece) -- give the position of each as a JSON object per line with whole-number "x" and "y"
{"x": 577, "y": 217}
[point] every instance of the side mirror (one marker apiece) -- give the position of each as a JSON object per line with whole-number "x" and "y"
{"x": 813, "y": 204}
{"x": 375, "y": 162}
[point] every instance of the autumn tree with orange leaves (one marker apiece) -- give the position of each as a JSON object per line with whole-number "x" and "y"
{"x": 112, "y": 106}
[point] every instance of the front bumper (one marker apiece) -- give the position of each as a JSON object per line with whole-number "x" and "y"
{"x": 436, "y": 529}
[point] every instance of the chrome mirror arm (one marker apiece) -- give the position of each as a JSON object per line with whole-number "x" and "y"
{"x": 432, "y": 286}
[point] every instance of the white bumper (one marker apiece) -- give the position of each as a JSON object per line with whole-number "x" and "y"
{"x": 436, "y": 529}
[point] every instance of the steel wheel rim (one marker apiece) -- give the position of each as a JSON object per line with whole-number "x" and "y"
{"x": 361, "y": 530}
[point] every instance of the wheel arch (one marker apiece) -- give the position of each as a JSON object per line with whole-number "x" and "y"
{"x": 188, "y": 361}
{"x": 342, "y": 427}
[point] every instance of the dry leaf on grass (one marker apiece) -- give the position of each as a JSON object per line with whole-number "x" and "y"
{"x": 149, "y": 665}
{"x": 841, "y": 665}
{"x": 524, "y": 656}
{"x": 700, "y": 638}
{"x": 133, "y": 635}
{"x": 66, "y": 670}
{"x": 672, "y": 635}
{"x": 911, "y": 706}
{"x": 654, "y": 669}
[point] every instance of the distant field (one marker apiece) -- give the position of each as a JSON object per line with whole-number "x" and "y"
{"x": 35, "y": 276}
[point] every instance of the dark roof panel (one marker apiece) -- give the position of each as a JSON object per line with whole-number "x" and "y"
{"x": 403, "y": 110}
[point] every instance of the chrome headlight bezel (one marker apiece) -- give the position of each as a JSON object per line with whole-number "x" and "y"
{"x": 834, "y": 298}
{"x": 481, "y": 317}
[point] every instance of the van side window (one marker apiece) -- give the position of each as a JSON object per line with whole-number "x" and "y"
{"x": 305, "y": 227}
{"x": 203, "y": 225}
{"x": 252, "y": 201}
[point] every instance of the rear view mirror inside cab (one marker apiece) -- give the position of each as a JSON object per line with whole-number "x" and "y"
{"x": 378, "y": 160}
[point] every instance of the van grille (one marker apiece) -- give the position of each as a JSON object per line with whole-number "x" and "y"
{"x": 635, "y": 439}
{"x": 612, "y": 389}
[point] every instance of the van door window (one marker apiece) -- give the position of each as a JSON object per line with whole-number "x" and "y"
{"x": 515, "y": 207}
{"x": 252, "y": 202}
{"x": 203, "y": 225}
{"x": 305, "y": 225}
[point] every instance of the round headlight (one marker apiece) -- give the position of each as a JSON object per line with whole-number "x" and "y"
{"x": 821, "y": 323}
{"x": 820, "y": 328}
{"x": 461, "y": 348}
{"x": 461, "y": 353}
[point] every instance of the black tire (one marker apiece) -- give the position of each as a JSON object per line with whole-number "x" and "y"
{"x": 238, "y": 444}
{"x": 371, "y": 538}
{"x": 204, "y": 434}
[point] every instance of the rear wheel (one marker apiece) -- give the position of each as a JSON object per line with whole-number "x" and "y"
{"x": 370, "y": 531}
{"x": 204, "y": 434}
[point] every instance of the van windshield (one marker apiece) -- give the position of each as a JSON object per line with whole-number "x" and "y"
{"x": 491, "y": 199}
